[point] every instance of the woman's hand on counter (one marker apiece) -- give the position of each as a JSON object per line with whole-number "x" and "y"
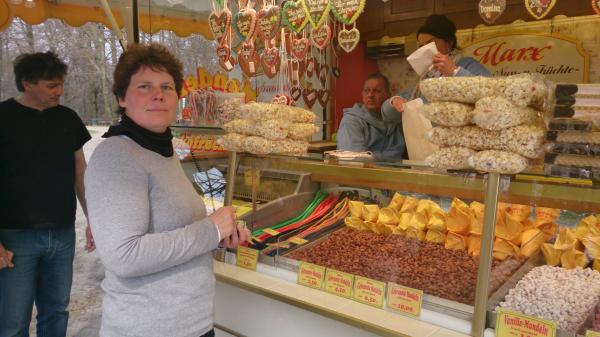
{"x": 444, "y": 64}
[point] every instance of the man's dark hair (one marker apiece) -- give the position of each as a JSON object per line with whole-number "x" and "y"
{"x": 38, "y": 66}
{"x": 380, "y": 76}
{"x": 154, "y": 56}
{"x": 441, "y": 27}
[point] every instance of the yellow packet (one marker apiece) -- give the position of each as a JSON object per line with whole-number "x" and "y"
{"x": 596, "y": 265}
{"x": 476, "y": 225}
{"x": 455, "y": 241}
{"x": 354, "y": 222}
{"x": 519, "y": 212}
{"x": 551, "y": 254}
{"x": 419, "y": 221}
{"x": 355, "y": 208}
{"x": 510, "y": 228}
{"x": 404, "y": 221}
{"x": 415, "y": 233}
{"x": 409, "y": 204}
{"x": 370, "y": 213}
{"x": 566, "y": 239}
{"x": 474, "y": 245}
{"x": 397, "y": 201}
{"x": 381, "y": 228}
{"x": 572, "y": 258}
{"x": 504, "y": 249}
{"x": 459, "y": 218}
{"x": 531, "y": 241}
{"x": 592, "y": 246}
{"x": 388, "y": 216}
{"x": 434, "y": 236}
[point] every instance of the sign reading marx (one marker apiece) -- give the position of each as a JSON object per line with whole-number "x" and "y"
{"x": 558, "y": 58}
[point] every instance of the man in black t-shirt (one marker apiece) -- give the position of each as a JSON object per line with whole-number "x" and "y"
{"x": 41, "y": 171}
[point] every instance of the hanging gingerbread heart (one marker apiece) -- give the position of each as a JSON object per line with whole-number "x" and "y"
{"x": 321, "y": 36}
{"x": 294, "y": 16}
{"x": 348, "y": 39}
{"x": 539, "y": 8}
{"x": 226, "y": 61}
{"x": 296, "y": 70}
{"x": 219, "y": 23}
{"x": 270, "y": 61}
{"x": 317, "y": 11}
{"x": 310, "y": 97}
{"x": 310, "y": 66}
{"x": 323, "y": 96}
{"x": 244, "y": 23}
{"x": 248, "y": 59}
{"x": 596, "y": 6}
{"x": 323, "y": 72}
{"x": 347, "y": 11}
{"x": 268, "y": 22}
{"x": 282, "y": 99}
{"x": 296, "y": 92}
{"x": 300, "y": 47}
{"x": 490, "y": 10}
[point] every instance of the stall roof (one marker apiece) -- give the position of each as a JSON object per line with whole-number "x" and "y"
{"x": 184, "y": 17}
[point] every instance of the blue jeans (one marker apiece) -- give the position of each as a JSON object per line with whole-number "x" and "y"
{"x": 43, "y": 274}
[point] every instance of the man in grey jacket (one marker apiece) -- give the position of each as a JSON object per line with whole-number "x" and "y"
{"x": 368, "y": 127}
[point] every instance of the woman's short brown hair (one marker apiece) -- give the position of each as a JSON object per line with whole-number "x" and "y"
{"x": 155, "y": 57}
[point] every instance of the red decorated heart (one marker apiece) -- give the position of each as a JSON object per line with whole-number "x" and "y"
{"x": 268, "y": 22}
{"x": 348, "y": 39}
{"x": 300, "y": 47}
{"x": 323, "y": 74}
{"x": 310, "y": 97}
{"x": 323, "y": 96}
{"x": 296, "y": 92}
{"x": 226, "y": 61}
{"x": 249, "y": 60}
{"x": 270, "y": 61}
{"x": 311, "y": 65}
{"x": 321, "y": 36}
{"x": 245, "y": 24}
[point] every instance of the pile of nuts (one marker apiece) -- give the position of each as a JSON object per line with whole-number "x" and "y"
{"x": 565, "y": 296}
{"x": 450, "y": 274}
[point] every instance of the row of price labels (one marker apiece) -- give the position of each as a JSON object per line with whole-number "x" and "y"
{"x": 361, "y": 289}
{"x": 248, "y": 257}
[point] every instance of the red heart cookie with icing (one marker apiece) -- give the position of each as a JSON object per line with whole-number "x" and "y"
{"x": 348, "y": 39}
{"x": 226, "y": 61}
{"x": 310, "y": 97}
{"x": 321, "y": 36}
{"x": 268, "y": 22}
{"x": 296, "y": 71}
{"x": 311, "y": 65}
{"x": 244, "y": 23}
{"x": 270, "y": 61}
{"x": 323, "y": 97}
{"x": 300, "y": 48}
{"x": 323, "y": 74}
{"x": 296, "y": 92}
{"x": 249, "y": 60}
{"x": 219, "y": 23}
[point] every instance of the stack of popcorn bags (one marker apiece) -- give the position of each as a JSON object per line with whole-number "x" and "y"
{"x": 573, "y": 129}
{"x": 488, "y": 124}
{"x": 516, "y": 235}
{"x": 575, "y": 247}
{"x": 265, "y": 128}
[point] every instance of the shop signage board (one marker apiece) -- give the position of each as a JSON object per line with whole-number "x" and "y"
{"x": 404, "y": 299}
{"x": 368, "y": 291}
{"x": 558, "y": 58}
{"x": 513, "y": 324}
{"x": 246, "y": 258}
{"x": 311, "y": 275}
{"x": 338, "y": 283}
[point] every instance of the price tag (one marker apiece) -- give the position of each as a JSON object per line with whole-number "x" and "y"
{"x": 297, "y": 240}
{"x": 311, "y": 275}
{"x": 338, "y": 283}
{"x": 368, "y": 291}
{"x": 513, "y": 324}
{"x": 404, "y": 299}
{"x": 246, "y": 257}
{"x": 271, "y": 232}
{"x": 592, "y": 333}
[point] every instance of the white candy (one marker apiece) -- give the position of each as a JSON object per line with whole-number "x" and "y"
{"x": 448, "y": 113}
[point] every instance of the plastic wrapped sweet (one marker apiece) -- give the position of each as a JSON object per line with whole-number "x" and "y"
{"x": 388, "y": 216}
{"x": 573, "y": 160}
{"x": 572, "y": 172}
{"x": 551, "y": 254}
{"x": 452, "y": 157}
{"x": 257, "y": 145}
{"x": 354, "y": 222}
{"x": 566, "y": 239}
{"x": 497, "y": 113}
{"x": 568, "y": 124}
{"x": 459, "y": 217}
{"x": 572, "y": 258}
{"x": 356, "y": 208}
{"x": 531, "y": 241}
{"x": 455, "y": 241}
{"x": 519, "y": 89}
{"x": 573, "y": 148}
{"x": 266, "y": 111}
{"x": 504, "y": 249}
{"x": 498, "y": 162}
{"x": 412, "y": 232}
{"x": 290, "y": 147}
{"x": 448, "y": 113}
{"x": 435, "y": 236}
{"x": 477, "y": 209}
{"x": 409, "y": 205}
{"x": 397, "y": 201}
{"x": 370, "y": 212}
{"x": 474, "y": 245}
{"x": 525, "y": 140}
{"x": 574, "y": 137}
{"x": 508, "y": 229}
{"x": 459, "y": 89}
{"x": 301, "y": 131}
{"x": 232, "y": 142}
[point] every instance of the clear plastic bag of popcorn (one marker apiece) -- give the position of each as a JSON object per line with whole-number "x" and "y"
{"x": 525, "y": 90}
{"x": 448, "y": 113}
{"x": 301, "y": 131}
{"x": 459, "y": 89}
{"x": 265, "y": 111}
{"x": 242, "y": 126}
{"x": 291, "y": 147}
{"x": 226, "y": 105}
{"x": 274, "y": 129}
{"x": 453, "y": 157}
{"x": 497, "y": 113}
{"x": 526, "y": 140}
{"x": 232, "y": 142}
{"x": 258, "y": 145}
{"x": 499, "y": 162}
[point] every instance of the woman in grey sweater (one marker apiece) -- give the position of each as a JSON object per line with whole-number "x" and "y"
{"x": 149, "y": 225}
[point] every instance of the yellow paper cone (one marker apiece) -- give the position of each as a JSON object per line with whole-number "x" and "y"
{"x": 566, "y": 239}
{"x": 592, "y": 246}
{"x": 370, "y": 212}
{"x": 399, "y": 231}
{"x": 478, "y": 210}
{"x": 437, "y": 222}
{"x": 504, "y": 249}
{"x": 381, "y": 228}
{"x": 543, "y": 215}
{"x": 455, "y": 241}
{"x": 419, "y": 221}
{"x": 388, "y": 216}
{"x": 474, "y": 245}
{"x": 409, "y": 204}
{"x": 510, "y": 228}
{"x": 354, "y": 222}
{"x": 415, "y": 233}
{"x": 397, "y": 201}
{"x": 355, "y": 208}
{"x": 549, "y": 229}
{"x": 572, "y": 258}
{"x": 596, "y": 265}
{"x": 551, "y": 255}
{"x": 531, "y": 241}
{"x": 434, "y": 236}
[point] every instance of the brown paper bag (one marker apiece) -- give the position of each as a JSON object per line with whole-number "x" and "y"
{"x": 416, "y": 131}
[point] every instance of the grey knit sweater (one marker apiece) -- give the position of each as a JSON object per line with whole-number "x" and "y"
{"x": 154, "y": 239}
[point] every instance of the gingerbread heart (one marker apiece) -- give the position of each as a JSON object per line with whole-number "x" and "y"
{"x": 244, "y": 23}
{"x": 248, "y": 59}
{"x": 310, "y": 97}
{"x": 317, "y": 11}
{"x": 219, "y": 23}
{"x": 296, "y": 71}
{"x": 596, "y": 6}
{"x": 300, "y": 48}
{"x": 282, "y": 99}
{"x": 348, "y": 39}
{"x": 347, "y": 11}
{"x": 321, "y": 36}
{"x": 322, "y": 74}
{"x": 310, "y": 66}
{"x": 490, "y": 10}
{"x": 539, "y": 9}
{"x": 226, "y": 61}
{"x": 296, "y": 92}
{"x": 294, "y": 16}
{"x": 270, "y": 61}
{"x": 268, "y": 22}
{"x": 323, "y": 96}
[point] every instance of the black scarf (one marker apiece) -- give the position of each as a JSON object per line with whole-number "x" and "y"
{"x": 156, "y": 142}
